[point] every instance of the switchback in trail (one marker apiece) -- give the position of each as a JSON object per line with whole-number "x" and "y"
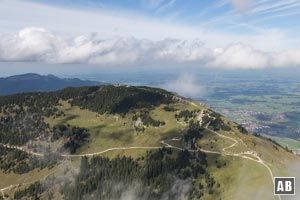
{"x": 224, "y": 152}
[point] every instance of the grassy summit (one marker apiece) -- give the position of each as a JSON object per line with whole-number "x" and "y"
{"x": 110, "y": 141}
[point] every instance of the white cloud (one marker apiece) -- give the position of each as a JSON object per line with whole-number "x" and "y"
{"x": 186, "y": 85}
{"x": 17, "y": 14}
{"x": 271, "y": 7}
{"x": 239, "y": 56}
{"x": 29, "y": 44}
{"x": 38, "y": 44}
{"x": 287, "y": 58}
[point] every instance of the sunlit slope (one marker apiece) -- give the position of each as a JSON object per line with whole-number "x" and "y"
{"x": 124, "y": 120}
{"x": 247, "y": 176}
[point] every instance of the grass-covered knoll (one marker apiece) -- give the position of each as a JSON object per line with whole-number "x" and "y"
{"x": 137, "y": 120}
{"x": 118, "y": 130}
{"x": 22, "y": 115}
{"x": 121, "y": 99}
{"x": 101, "y": 99}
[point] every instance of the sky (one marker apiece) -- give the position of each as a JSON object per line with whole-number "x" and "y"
{"x": 226, "y": 34}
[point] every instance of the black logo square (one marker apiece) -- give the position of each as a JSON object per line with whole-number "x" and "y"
{"x": 284, "y": 186}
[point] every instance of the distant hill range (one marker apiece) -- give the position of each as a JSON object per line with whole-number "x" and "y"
{"x": 34, "y": 82}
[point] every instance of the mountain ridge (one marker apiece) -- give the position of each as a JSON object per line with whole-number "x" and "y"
{"x": 156, "y": 136}
{"x": 32, "y": 82}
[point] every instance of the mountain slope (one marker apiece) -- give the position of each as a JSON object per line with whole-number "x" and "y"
{"x": 139, "y": 142}
{"x": 35, "y": 82}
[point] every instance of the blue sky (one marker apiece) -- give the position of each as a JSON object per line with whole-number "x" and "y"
{"x": 235, "y": 16}
{"x": 270, "y": 18}
{"x": 210, "y": 33}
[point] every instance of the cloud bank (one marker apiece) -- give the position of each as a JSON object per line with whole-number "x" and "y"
{"x": 41, "y": 45}
{"x": 186, "y": 85}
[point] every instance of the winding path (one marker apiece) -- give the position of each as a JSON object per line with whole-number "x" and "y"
{"x": 245, "y": 155}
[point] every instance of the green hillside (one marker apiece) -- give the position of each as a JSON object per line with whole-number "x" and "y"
{"x": 114, "y": 142}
